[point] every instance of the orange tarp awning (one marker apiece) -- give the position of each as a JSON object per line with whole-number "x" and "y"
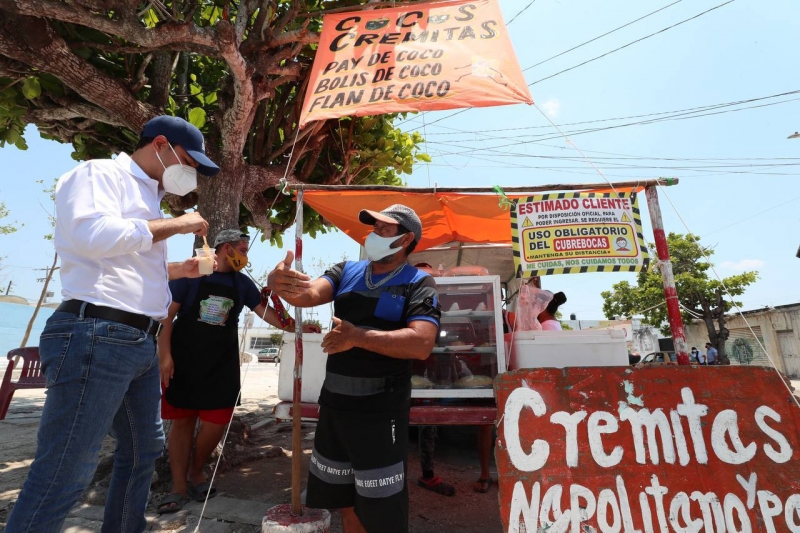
{"x": 446, "y": 217}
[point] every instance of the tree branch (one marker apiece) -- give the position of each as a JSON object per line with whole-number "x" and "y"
{"x": 13, "y": 69}
{"x": 259, "y": 212}
{"x": 180, "y": 35}
{"x": 259, "y": 179}
{"x": 290, "y": 140}
{"x": 179, "y": 204}
{"x": 34, "y": 41}
{"x": 69, "y": 112}
{"x": 236, "y": 119}
{"x": 160, "y": 79}
{"x": 141, "y": 79}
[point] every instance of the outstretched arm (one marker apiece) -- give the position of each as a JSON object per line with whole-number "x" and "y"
{"x": 296, "y": 287}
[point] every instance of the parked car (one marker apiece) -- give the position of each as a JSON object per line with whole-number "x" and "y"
{"x": 633, "y": 357}
{"x": 270, "y": 355}
{"x": 659, "y": 358}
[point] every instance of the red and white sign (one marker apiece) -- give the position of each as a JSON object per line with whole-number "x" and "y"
{"x": 703, "y": 449}
{"x": 418, "y": 57}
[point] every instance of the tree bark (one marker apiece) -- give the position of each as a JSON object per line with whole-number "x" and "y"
{"x": 35, "y": 42}
{"x": 220, "y": 196}
{"x": 722, "y": 331}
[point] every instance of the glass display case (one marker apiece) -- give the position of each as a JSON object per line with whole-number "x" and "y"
{"x": 469, "y": 351}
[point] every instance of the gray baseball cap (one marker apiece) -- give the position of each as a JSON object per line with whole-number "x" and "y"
{"x": 230, "y": 235}
{"x": 394, "y": 214}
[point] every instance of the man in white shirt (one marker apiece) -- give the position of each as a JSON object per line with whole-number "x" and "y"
{"x": 98, "y": 350}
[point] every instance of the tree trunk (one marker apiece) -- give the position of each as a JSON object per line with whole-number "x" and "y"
{"x": 219, "y": 199}
{"x": 722, "y": 331}
{"x": 708, "y": 318}
{"x": 39, "y": 303}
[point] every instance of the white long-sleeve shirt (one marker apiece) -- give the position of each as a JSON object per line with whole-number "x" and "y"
{"x": 107, "y": 252}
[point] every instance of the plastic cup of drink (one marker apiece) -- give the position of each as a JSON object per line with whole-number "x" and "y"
{"x": 206, "y": 256}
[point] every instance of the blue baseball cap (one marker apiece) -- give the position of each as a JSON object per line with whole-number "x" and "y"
{"x": 178, "y": 131}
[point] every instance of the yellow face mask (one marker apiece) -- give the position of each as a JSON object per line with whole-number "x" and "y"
{"x": 236, "y": 259}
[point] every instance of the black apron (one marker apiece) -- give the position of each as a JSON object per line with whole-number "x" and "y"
{"x": 205, "y": 349}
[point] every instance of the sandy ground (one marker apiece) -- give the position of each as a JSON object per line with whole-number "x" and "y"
{"x": 256, "y": 465}
{"x": 256, "y": 468}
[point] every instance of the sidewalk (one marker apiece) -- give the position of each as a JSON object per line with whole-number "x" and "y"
{"x": 255, "y": 473}
{"x": 223, "y": 514}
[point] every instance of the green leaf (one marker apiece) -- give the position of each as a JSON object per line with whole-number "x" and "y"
{"x": 31, "y": 88}
{"x": 197, "y": 117}
{"x": 423, "y": 157}
{"x": 12, "y": 136}
{"x": 150, "y": 18}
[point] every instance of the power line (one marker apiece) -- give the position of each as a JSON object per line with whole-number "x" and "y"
{"x": 680, "y": 116}
{"x": 600, "y": 36}
{"x": 698, "y": 109}
{"x": 631, "y": 43}
{"x": 577, "y": 169}
{"x": 522, "y": 11}
{"x": 752, "y": 216}
{"x": 590, "y": 60}
{"x": 462, "y": 110}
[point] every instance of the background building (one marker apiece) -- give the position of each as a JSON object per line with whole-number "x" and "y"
{"x": 773, "y": 341}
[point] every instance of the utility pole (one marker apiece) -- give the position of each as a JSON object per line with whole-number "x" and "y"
{"x": 46, "y": 281}
{"x": 8, "y": 289}
{"x": 795, "y": 135}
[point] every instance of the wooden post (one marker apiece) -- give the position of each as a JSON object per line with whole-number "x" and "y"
{"x": 670, "y": 292}
{"x": 297, "y": 446}
{"x": 40, "y": 302}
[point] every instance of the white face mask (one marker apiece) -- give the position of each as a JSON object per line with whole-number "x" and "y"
{"x": 378, "y": 247}
{"x": 178, "y": 179}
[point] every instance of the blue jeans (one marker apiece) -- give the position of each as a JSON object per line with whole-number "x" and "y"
{"x": 102, "y": 377}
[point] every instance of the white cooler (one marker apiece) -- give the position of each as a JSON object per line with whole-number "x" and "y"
{"x": 314, "y": 360}
{"x": 560, "y": 349}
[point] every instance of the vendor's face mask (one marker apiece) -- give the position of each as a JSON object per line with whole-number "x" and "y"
{"x": 378, "y": 247}
{"x": 236, "y": 259}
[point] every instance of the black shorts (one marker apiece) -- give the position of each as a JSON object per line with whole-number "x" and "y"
{"x": 359, "y": 460}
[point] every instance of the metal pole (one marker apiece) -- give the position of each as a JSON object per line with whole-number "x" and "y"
{"x": 670, "y": 293}
{"x": 297, "y": 447}
{"x": 488, "y": 190}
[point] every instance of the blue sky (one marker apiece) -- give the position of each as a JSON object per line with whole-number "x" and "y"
{"x": 740, "y": 51}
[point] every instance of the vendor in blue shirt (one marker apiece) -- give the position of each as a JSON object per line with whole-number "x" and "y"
{"x": 199, "y": 362}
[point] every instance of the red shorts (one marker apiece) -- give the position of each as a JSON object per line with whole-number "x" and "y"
{"x": 213, "y": 416}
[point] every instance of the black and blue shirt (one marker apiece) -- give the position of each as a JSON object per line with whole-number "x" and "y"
{"x": 409, "y": 296}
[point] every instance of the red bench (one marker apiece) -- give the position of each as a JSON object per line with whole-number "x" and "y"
{"x": 31, "y": 376}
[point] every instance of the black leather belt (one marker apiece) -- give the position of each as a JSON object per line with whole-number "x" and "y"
{"x": 145, "y": 323}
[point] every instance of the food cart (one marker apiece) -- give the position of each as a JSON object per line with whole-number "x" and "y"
{"x": 465, "y": 231}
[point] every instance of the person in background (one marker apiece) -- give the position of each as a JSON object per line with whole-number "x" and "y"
{"x": 199, "y": 361}
{"x": 696, "y": 354}
{"x": 427, "y": 445}
{"x": 98, "y": 350}
{"x": 711, "y": 354}
{"x": 429, "y": 480}
{"x": 547, "y": 318}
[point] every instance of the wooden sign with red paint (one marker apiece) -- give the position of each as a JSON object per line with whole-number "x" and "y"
{"x": 684, "y": 449}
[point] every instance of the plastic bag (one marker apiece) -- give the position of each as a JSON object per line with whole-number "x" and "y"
{"x": 530, "y": 303}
